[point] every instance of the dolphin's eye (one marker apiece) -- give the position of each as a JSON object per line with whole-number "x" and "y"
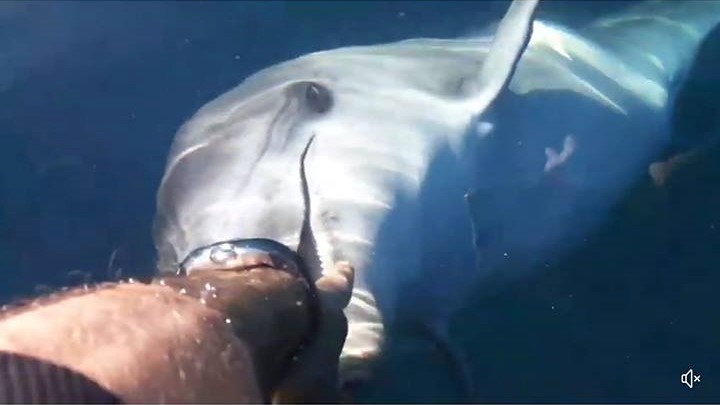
{"x": 318, "y": 98}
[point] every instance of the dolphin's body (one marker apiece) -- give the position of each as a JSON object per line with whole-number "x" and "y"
{"x": 399, "y": 150}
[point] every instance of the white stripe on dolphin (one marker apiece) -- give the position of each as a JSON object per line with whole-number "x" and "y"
{"x": 394, "y": 154}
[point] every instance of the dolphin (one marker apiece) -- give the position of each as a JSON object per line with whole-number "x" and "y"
{"x": 435, "y": 163}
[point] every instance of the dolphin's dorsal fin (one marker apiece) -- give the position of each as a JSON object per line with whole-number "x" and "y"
{"x": 509, "y": 42}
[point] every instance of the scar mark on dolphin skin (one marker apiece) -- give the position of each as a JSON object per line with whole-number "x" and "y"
{"x": 183, "y": 155}
{"x": 270, "y": 136}
{"x": 329, "y": 217}
{"x": 555, "y": 159}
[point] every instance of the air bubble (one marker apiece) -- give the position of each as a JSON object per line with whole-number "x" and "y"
{"x": 223, "y": 253}
{"x": 484, "y": 128}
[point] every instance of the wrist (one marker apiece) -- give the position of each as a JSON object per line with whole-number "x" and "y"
{"x": 269, "y": 310}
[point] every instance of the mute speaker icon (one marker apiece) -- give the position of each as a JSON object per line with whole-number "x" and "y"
{"x": 690, "y": 378}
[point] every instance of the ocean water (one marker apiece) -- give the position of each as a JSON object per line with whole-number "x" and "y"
{"x": 93, "y": 92}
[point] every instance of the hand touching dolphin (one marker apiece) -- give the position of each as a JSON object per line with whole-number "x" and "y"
{"x": 396, "y": 146}
{"x": 233, "y": 169}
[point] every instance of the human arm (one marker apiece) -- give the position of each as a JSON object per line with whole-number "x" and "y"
{"x": 150, "y": 343}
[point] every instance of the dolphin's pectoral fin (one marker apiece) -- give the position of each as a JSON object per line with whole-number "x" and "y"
{"x": 438, "y": 333}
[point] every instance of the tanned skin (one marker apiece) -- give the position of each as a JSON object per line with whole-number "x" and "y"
{"x": 213, "y": 336}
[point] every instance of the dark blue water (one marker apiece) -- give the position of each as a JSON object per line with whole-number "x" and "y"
{"x": 92, "y": 94}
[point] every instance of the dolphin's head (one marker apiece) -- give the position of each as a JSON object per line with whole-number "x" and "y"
{"x": 373, "y": 113}
{"x": 319, "y": 149}
{"x": 233, "y": 170}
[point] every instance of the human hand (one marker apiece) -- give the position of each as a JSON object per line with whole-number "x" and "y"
{"x": 313, "y": 375}
{"x": 251, "y": 287}
{"x": 270, "y": 310}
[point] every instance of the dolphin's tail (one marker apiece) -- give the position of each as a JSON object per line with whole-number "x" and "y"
{"x": 658, "y": 38}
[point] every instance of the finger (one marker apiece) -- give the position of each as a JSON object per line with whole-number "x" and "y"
{"x": 314, "y": 374}
{"x": 347, "y": 271}
{"x": 335, "y": 287}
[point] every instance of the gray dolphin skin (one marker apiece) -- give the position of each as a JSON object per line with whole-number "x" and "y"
{"x": 405, "y": 135}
